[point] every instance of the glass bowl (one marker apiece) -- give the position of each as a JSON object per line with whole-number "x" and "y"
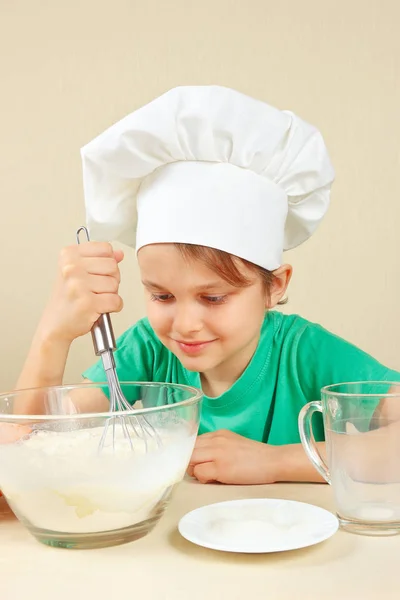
{"x": 78, "y": 476}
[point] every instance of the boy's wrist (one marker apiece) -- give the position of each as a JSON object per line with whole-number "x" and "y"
{"x": 49, "y": 337}
{"x": 46, "y": 360}
{"x": 293, "y": 465}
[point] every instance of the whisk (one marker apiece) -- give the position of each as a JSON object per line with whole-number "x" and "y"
{"x": 104, "y": 346}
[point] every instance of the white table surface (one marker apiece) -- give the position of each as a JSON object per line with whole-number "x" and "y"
{"x": 163, "y": 565}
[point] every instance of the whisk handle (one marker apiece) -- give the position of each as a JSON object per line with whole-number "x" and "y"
{"x": 103, "y": 335}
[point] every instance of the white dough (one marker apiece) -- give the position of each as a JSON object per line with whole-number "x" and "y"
{"x": 61, "y": 482}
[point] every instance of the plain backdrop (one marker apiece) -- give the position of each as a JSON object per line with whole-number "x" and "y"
{"x": 71, "y": 69}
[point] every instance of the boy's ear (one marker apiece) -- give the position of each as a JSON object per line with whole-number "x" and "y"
{"x": 279, "y": 286}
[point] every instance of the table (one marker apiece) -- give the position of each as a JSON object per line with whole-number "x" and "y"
{"x": 164, "y": 566}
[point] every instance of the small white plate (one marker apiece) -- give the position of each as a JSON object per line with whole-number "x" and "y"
{"x": 258, "y": 525}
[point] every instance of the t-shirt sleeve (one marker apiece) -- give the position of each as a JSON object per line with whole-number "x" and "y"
{"x": 325, "y": 359}
{"x": 134, "y": 357}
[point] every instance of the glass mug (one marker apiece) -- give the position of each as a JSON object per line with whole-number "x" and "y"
{"x": 362, "y": 433}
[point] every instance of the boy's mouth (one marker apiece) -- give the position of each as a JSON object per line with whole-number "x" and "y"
{"x": 192, "y": 347}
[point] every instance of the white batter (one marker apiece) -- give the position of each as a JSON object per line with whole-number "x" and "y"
{"x": 60, "y": 482}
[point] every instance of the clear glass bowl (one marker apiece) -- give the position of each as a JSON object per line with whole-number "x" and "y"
{"x": 78, "y": 476}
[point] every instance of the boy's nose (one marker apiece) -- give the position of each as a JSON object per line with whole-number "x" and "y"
{"x": 187, "y": 321}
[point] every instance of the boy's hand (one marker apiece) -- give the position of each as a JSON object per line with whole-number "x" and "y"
{"x": 12, "y": 432}
{"x": 227, "y": 457}
{"x": 86, "y": 287}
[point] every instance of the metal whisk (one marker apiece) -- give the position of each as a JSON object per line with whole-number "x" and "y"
{"x": 104, "y": 346}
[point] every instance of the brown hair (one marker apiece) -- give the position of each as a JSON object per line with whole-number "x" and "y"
{"x": 226, "y": 266}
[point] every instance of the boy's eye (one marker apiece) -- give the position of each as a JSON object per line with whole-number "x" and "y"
{"x": 168, "y": 297}
{"x": 215, "y": 299}
{"x": 161, "y": 297}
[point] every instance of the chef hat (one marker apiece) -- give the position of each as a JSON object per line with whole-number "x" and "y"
{"x": 210, "y": 166}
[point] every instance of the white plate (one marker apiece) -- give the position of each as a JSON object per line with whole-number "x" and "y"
{"x": 258, "y": 525}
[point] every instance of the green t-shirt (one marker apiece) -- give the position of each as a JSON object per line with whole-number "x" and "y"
{"x": 293, "y": 361}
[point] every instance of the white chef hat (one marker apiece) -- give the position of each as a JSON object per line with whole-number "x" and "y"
{"x": 210, "y": 166}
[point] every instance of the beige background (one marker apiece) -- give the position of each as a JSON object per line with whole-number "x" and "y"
{"x": 70, "y": 69}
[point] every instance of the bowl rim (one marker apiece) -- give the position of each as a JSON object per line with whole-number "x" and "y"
{"x": 5, "y": 417}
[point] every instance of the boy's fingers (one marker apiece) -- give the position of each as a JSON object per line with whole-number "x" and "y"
{"x": 206, "y": 472}
{"x": 11, "y": 432}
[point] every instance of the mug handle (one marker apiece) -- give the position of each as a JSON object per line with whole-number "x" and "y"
{"x": 308, "y": 440}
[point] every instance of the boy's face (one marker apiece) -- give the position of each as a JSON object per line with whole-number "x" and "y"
{"x": 212, "y": 327}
